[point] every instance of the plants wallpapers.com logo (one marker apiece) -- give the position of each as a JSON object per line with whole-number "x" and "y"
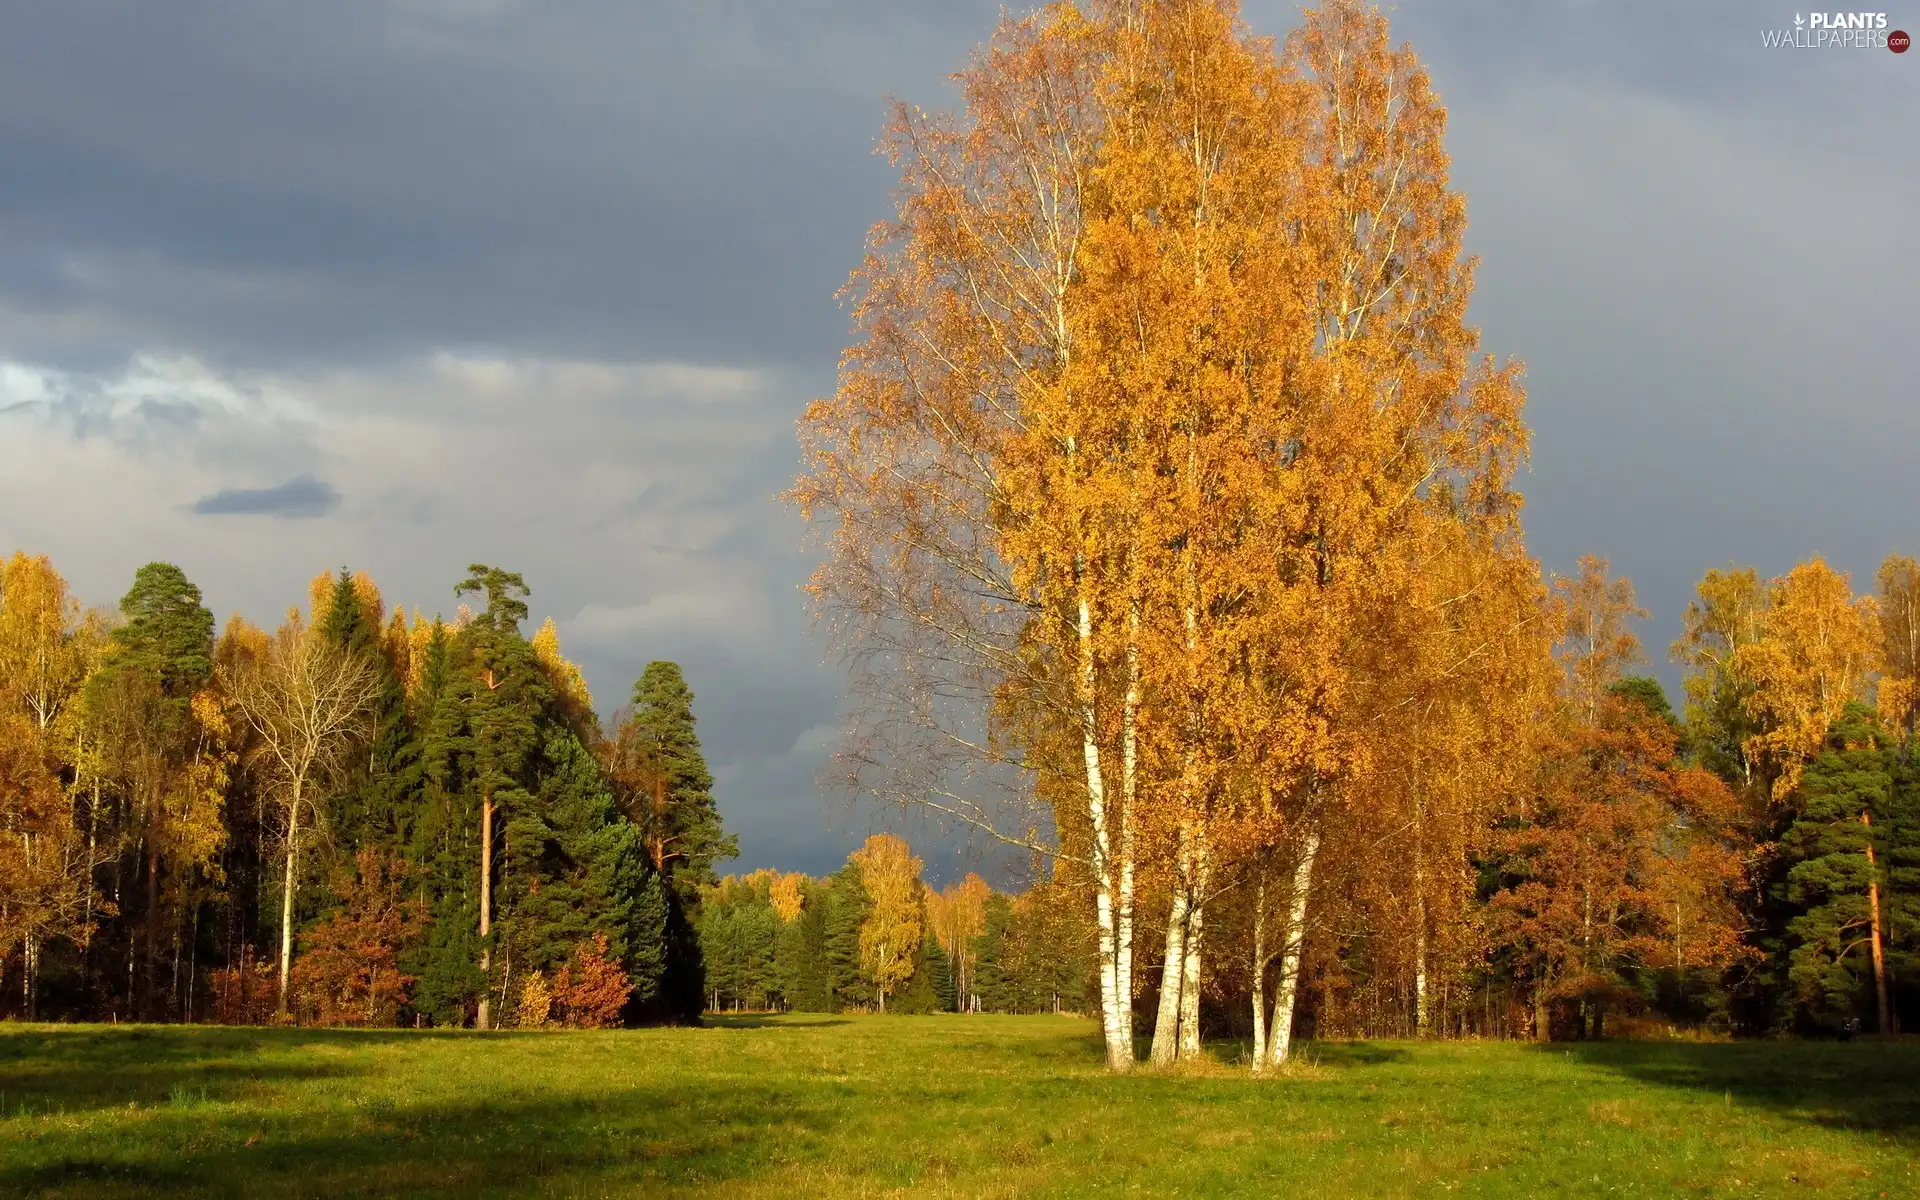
{"x": 1838, "y": 31}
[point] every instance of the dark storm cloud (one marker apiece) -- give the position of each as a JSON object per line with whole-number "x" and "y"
{"x": 1693, "y": 242}
{"x": 546, "y": 284}
{"x": 284, "y": 182}
{"x": 297, "y": 499}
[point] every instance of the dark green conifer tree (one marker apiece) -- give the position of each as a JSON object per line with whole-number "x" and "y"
{"x": 924, "y": 991}
{"x": 801, "y": 952}
{"x": 1901, "y": 839}
{"x": 995, "y": 973}
{"x": 674, "y": 807}
{"x": 940, "y": 976}
{"x": 666, "y": 790}
{"x": 573, "y": 867}
{"x": 168, "y": 632}
{"x": 847, "y": 905}
{"x": 378, "y": 801}
{"x": 1825, "y": 875}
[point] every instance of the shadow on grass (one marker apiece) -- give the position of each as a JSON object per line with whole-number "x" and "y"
{"x": 1349, "y": 1054}
{"x": 83, "y": 1070}
{"x": 643, "y": 1136}
{"x": 1858, "y": 1086}
{"x": 1239, "y": 1052}
{"x": 771, "y": 1021}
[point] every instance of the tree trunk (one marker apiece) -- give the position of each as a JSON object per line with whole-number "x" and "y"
{"x": 1111, "y": 912}
{"x": 1879, "y": 944}
{"x": 193, "y": 964}
{"x": 1259, "y": 974}
{"x": 1292, "y": 956}
{"x": 1129, "y": 793}
{"x": 1421, "y": 1017}
{"x": 481, "y": 1018}
{"x": 1542, "y": 1011}
{"x": 149, "y": 954}
{"x": 1173, "y": 971}
{"x": 286, "y": 896}
{"x": 1190, "y": 960}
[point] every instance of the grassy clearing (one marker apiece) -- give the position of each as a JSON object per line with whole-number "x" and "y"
{"x": 803, "y": 1108}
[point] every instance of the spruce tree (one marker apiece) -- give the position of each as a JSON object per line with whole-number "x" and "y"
{"x": 377, "y": 803}
{"x": 995, "y": 974}
{"x": 674, "y": 806}
{"x": 924, "y": 991}
{"x": 667, "y": 791}
{"x": 801, "y": 952}
{"x": 940, "y": 976}
{"x": 445, "y": 838}
{"x": 573, "y": 867}
{"x": 846, "y": 908}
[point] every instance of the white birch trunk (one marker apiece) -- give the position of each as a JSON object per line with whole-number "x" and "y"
{"x": 1115, "y": 1019}
{"x": 1166, "y": 1024}
{"x": 1259, "y": 965}
{"x": 1422, "y": 1017}
{"x": 1190, "y": 973}
{"x": 1129, "y": 792}
{"x": 1280, "y": 1037}
{"x": 286, "y": 895}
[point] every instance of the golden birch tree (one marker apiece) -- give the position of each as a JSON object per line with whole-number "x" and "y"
{"x": 1723, "y": 618}
{"x": 1817, "y": 650}
{"x": 890, "y": 936}
{"x": 1160, "y": 362}
{"x": 1897, "y": 694}
{"x": 304, "y": 701}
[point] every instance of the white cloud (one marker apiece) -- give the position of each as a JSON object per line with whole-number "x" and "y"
{"x": 631, "y": 495}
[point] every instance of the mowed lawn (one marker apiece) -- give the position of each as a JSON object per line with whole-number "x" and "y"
{"x": 804, "y": 1108}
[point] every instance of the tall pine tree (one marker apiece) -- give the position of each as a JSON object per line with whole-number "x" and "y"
{"x": 1830, "y": 882}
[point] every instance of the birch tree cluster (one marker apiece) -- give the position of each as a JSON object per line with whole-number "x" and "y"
{"x": 1168, "y": 529}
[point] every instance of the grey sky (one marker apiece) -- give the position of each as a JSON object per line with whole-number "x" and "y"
{"x": 407, "y": 284}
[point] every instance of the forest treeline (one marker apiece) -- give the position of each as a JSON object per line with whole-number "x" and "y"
{"x": 1168, "y": 526}
{"x": 1751, "y": 864}
{"x": 355, "y": 819}
{"x": 872, "y": 937}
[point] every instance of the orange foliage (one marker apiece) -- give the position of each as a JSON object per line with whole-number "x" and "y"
{"x": 1597, "y": 645}
{"x": 348, "y": 972}
{"x": 785, "y": 895}
{"x": 568, "y": 684}
{"x": 1898, "y": 693}
{"x": 891, "y": 936}
{"x": 1624, "y": 858}
{"x": 1817, "y": 648}
{"x": 591, "y": 991}
{"x": 246, "y": 993}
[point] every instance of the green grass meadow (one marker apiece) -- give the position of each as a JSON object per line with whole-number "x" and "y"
{"x": 804, "y": 1108}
